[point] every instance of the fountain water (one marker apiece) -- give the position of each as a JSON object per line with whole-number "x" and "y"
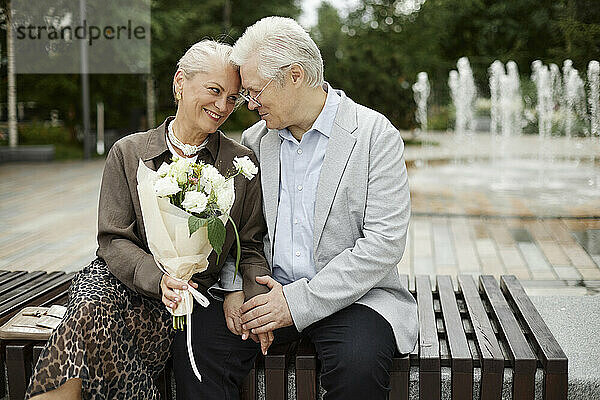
{"x": 514, "y": 99}
{"x": 594, "y": 97}
{"x": 421, "y": 91}
{"x": 557, "y": 90}
{"x": 511, "y": 174}
{"x": 506, "y": 102}
{"x": 543, "y": 83}
{"x": 463, "y": 92}
{"x": 574, "y": 95}
{"x": 496, "y": 70}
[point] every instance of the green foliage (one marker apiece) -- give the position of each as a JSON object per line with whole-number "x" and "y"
{"x": 375, "y": 53}
{"x": 40, "y": 133}
{"x": 216, "y": 234}
{"x": 176, "y": 25}
{"x": 195, "y": 223}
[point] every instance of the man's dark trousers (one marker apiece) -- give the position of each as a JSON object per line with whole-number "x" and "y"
{"x": 355, "y": 345}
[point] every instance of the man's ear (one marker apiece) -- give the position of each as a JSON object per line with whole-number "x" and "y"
{"x": 297, "y": 74}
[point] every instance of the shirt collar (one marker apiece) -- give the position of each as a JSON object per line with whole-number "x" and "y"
{"x": 326, "y": 118}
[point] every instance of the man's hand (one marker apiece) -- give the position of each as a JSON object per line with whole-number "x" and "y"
{"x": 169, "y": 297}
{"x": 231, "y": 309}
{"x": 266, "y": 312}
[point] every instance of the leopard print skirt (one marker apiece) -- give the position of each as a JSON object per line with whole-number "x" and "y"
{"x": 115, "y": 340}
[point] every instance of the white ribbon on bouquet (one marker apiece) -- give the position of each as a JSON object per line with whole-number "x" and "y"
{"x": 177, "y": 254}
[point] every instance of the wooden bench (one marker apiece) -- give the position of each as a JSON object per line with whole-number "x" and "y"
{"x": 20, "y": 289}
{"x": 488, "y": 327}
{"x": 478, "y": 331}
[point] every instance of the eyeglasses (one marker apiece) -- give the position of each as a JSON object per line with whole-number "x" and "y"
{"x": 249, "y": 98}
{"x": 245, "y": 94}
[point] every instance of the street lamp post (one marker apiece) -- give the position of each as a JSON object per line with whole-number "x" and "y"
{"x": 12, "y": 82}
{"x": 85, "y": 90}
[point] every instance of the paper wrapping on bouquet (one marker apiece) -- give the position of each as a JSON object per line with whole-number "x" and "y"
{"x": 176, "y": 252}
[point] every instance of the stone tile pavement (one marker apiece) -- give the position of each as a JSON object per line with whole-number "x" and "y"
{"x": 48, "y": 222}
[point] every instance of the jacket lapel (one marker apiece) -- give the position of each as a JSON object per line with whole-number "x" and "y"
{"x": 269, "y": 172}
{"x": 339, "y": 147}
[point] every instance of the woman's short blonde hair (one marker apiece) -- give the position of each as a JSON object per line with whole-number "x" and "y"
{"x": 202, "y": 56}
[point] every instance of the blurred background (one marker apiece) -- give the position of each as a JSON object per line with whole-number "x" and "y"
{"x": 372, "y": 49}
{"x": 497, "y": 102}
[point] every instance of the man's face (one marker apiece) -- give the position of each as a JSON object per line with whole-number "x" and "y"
{"x": 276, "y": 102}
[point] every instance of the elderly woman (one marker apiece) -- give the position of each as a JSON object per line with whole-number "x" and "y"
{"x": 116, "y": 335}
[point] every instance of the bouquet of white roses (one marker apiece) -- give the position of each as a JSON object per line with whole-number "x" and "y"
{"x": 185, "y": 207}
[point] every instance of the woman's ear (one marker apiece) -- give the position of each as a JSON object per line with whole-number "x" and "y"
{"x": 178, "y": 82}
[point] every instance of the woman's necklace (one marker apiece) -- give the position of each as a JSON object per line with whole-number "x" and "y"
{"x": 187, "y": 149}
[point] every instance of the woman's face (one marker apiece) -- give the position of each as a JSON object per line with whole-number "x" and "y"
{"x": 207, "y": 99}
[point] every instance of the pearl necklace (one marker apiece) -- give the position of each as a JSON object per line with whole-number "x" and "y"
{"x": 187, "y": 149}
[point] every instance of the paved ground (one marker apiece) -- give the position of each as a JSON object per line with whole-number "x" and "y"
{"x": 48, "y": 219}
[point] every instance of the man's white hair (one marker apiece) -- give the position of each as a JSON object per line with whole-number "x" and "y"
{"x": 203, "y": 56}
{"x": 278, "y": 42}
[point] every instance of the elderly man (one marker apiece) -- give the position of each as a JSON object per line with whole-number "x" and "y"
{"x": 337, "y": 207}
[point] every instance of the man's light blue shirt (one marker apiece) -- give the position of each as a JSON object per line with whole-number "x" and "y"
{"x": 300, "y": 169}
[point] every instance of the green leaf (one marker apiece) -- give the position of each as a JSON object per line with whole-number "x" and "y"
{"x": 216, "y": 234}
{"x": 195, "y": 223}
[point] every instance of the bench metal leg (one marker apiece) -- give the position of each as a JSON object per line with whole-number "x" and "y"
{"x": 18, "y": 364}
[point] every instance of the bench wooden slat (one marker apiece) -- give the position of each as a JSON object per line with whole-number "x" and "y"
{"x": 18, "y": 356}
{"x": 276, "y": 363}
{"x": 462, "y": 363}
{"x": 550, "y": 353}
{"x": 400, "y": 372}
{"x": 306, "y": 370}
{"x": 16, "y": 286}
{"x": 8, "y": 275}
{"x": 17, "y": 278}
{"x": 524, "y": 361}
{"x": 3, "y": 273}
{"x": 429, "y": 347}
{"x": 35, "y": 293}
{"x": 491, "y": 359}
{"x": 249, "y": 385}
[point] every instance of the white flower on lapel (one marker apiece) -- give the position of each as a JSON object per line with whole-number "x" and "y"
{"x": 245, "y": 166}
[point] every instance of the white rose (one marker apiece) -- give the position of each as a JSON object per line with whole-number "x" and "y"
{"x": 166, "y": 186}
{"x": 194, "y": 202}
{"x": 163, "y": 170}
{"x": 180, "y": 169}
{"x": 210, "y": 178}
{"x": 225, "y": 196}
{"x": 245, "y": 166}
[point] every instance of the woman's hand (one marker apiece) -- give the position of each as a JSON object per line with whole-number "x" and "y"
{"x": 231, "y": 308}
{"x": 169, "y": 297}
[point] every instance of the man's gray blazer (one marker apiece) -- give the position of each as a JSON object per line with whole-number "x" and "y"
{"x": 361, "y": 219}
